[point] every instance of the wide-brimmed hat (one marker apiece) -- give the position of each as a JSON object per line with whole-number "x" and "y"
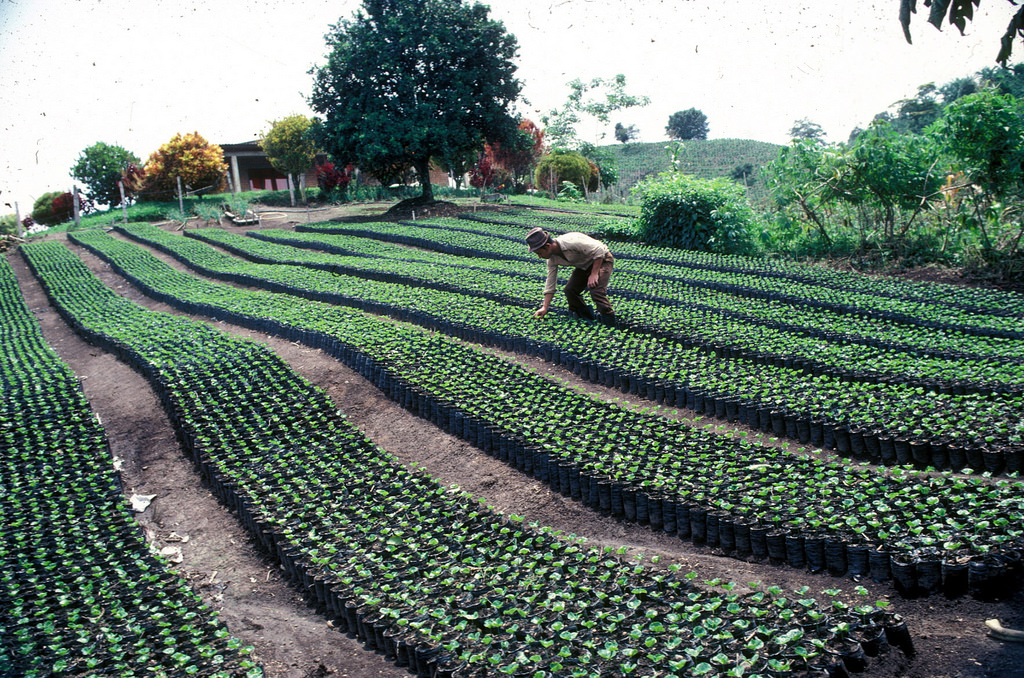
{"x": 537, "y": 238}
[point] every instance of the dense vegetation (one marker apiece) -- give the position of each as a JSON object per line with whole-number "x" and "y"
{"x": 654, "y": 477}
{"x": 80, "y": 591}
{"x": 421, "y": 572}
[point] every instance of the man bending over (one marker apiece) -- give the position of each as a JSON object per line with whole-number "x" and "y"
{"x": 592, "y": 267}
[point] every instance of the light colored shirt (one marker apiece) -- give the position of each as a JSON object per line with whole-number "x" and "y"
{"x": 579, "y": 250}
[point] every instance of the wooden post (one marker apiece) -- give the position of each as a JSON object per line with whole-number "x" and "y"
{"x": 181, "y": 200}
{"x": 17, "y": 218}
{"x": 124, "y": 206}
{"x": 74, "y": 205}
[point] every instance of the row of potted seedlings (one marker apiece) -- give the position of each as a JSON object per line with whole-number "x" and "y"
{"x": 817, "y": 323}
{"x": 821, "y": 352}
{"x": 981, "y": 300}
{"x": 930, "y": 315}
{"x": 703, "y": 322}
{"x": 937, "y": 314}
{"x": 645, "y": 467}
{"x": 422, "y": 572}
{"x": 936, "y": 355}
{"x": 507, "y": 288}
{"x": 947, "y": 431}
{"x": 80, "y": 592}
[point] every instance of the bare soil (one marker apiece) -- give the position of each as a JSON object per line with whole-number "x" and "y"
{"x": 291, "y": 641}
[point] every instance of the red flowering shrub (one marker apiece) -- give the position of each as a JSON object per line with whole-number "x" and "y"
{"x": 329, "y": 177}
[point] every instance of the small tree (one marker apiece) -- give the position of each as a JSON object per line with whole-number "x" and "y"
{"x": 599, "y": 99}
{"x": 625, "y": 134}
{"x": 133, "y": 178}
{"x": 333, "y": 181}
{"x": 983, "y": 135}
{"x": 8, "y": 224}
{"x": 99, "y": 168}
{"x": 290, "y": 149}
{"x": 520, "y": 159}
{"x": 688, "y": 124}
{"x": 604, "y": 161}
{"x": 199, "y": 163}
{"x": 805, "y": 129}
{"x": 743, "y": 174}
{"x": 487, "y": 172}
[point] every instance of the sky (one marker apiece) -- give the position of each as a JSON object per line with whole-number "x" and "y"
{"x": 135, "y": 73}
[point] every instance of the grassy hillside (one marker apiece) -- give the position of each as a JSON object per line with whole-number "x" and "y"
{"x": 705, "y": 159}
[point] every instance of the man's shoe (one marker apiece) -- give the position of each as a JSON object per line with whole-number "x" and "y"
{"x": 607, "y": 319}
{"x": 587, "y": 315}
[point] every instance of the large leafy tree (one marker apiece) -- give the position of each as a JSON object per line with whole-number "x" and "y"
{"x": 688, "y": 124}
{"x": 408, "y": 80}
{"x": 199, "y": 163}
{"x": 290, "y": 147}
{"x": 99, "y": 168}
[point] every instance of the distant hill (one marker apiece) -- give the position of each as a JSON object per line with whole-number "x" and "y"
{"x": 704, "y": 159}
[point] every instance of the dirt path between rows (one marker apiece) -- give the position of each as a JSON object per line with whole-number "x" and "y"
{"x": 292, "y": 641}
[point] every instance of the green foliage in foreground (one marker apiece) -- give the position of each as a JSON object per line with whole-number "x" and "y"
{"x": 670, "y": 460}
{"x": 80, "y": 591}
{"x": 418, "y": 571}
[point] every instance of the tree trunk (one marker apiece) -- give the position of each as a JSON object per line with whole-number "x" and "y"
{"x": 423, "y": 172}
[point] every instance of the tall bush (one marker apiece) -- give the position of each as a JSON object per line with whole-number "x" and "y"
{"x": 561, "y": 166}
{"x": 199, "y": 163}
{"x": 678, "y": 210}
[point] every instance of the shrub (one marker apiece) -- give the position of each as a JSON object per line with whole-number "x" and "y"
{"x": 561, "y": 166}
{"x": 57, "y": 206}
{"x": 624, "y": 230}
{"x": 333, "y": 181}
{"x": 8, "y": 224}
{"x": 64, "y": 206}
{"x": 42, "y": 209}
{"x": 199, "y": 163}
{"x": 678, "y": 210}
